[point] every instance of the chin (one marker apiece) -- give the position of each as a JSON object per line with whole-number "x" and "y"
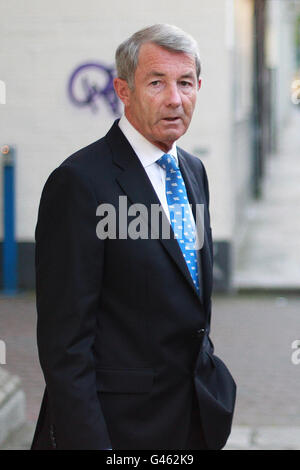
{"x": 172, "y": 135}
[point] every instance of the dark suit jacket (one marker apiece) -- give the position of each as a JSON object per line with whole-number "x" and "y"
{"x": 123, "y": 337}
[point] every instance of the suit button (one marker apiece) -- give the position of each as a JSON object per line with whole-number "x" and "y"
{"x": 199, "y": 333}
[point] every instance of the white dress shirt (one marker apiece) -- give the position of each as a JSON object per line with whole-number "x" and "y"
{"x": 148, "y": 154}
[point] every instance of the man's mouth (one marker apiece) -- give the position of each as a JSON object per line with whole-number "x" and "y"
{"x": 171, "y": 119}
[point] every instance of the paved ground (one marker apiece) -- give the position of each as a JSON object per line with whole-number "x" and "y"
{"x": 18, "y": 330}
{"x": 270, "y": 252}
{"x": 252, "y": 333}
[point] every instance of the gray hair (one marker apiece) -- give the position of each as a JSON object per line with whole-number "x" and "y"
{"x": 167, "y": 36}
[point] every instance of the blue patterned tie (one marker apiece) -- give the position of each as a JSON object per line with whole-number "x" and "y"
{"x": 180, "y": 215}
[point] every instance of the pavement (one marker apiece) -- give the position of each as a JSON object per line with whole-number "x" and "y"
{"x": 269, "y": 255}
{"x": 252, "y": 332}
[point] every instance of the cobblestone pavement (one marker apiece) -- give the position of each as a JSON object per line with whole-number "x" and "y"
{"x": 18, "y": 330}
{"x": 252, "y": 333}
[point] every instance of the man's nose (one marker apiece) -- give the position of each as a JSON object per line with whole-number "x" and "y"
{"x": 173, "y": 97}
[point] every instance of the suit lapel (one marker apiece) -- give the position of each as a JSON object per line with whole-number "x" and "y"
{"x": 134, "y": 181}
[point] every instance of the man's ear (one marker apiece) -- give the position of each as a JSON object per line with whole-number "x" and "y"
{"x": 123, "y": 91}
{"x": 199, "y": 83}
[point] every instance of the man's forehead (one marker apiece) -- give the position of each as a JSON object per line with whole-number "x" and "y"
{"x": 153, "y": 56}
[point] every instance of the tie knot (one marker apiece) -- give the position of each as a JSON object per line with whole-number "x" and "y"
{"x": 167, "y": 162}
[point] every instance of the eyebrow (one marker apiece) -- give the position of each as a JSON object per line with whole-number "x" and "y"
{"x": 154, "y": 73}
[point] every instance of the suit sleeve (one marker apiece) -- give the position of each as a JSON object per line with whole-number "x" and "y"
{"x": 210, "y": 344}
{"x": 69, "y": 267}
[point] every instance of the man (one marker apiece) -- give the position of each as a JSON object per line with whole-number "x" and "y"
{"x": 123, "y": 321}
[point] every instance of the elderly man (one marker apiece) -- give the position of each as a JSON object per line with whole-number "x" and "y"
{"x": 123, "y": 319}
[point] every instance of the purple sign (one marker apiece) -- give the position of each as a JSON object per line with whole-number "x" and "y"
{"x": 91, "y": 82}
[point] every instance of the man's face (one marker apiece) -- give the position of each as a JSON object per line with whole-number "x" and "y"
{"x": 163, "y": 100}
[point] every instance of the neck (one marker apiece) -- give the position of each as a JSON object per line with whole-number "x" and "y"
{"x": 163, "y": 146}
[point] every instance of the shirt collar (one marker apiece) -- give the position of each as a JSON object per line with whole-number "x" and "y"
{"x": 147, "y": 152}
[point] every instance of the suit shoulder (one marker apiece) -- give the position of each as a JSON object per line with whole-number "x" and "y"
{"x": 84, "y": 164}
{"x": 193, "y": 161}
{"x": 87, "y": 157}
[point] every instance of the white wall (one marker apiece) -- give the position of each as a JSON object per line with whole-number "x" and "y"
{"x": 241, "y": 169}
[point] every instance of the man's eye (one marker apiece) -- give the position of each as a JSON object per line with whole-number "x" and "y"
{"x": 184, "y": 83}
{"x": 155, "y": 82}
